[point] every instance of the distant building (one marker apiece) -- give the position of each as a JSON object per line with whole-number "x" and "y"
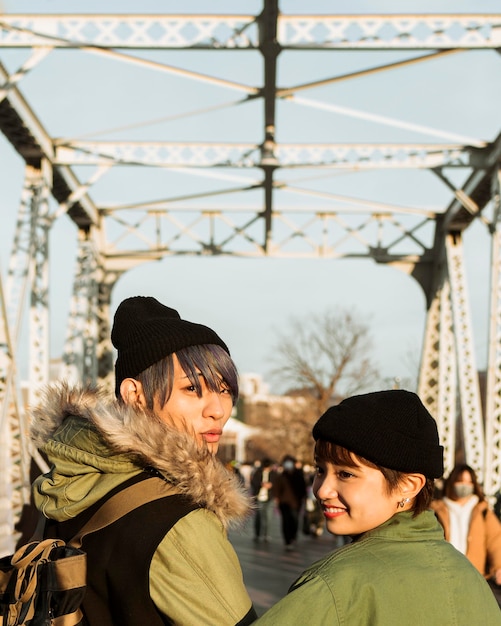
{"x": 282, "y": 424}
{"x": 234, "y": 441}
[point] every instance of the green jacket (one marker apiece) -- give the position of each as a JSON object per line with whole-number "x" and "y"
{"x": 402, "y": 573}
{"x": 94, "y": 445}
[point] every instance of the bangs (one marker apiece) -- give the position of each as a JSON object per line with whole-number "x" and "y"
{"x": 213, "y": 363}
{"x": 338, "y": 455}
{"x": 328, "y": 452}
{"x": 209, "y": 360}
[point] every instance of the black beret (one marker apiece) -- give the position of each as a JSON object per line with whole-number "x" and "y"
{"x": 390, "y": 428}
{"x": 146, "y": 331}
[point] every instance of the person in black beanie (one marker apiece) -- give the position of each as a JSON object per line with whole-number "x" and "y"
{"x": 376, "y": 457}
{"x": 168, "y": 561}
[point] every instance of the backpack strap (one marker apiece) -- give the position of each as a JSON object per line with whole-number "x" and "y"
{"x": 38, "y": 533}
{"x": 122, "y": 503}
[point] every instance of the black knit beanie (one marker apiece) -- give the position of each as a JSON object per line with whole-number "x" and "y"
{"x": 146, "y": 331}
{"x": 390, "y": 428}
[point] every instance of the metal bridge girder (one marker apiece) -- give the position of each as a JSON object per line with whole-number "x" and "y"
{"x": 335, "y": 227}
{"x": 333, "y": 156}
{"x": 88, "y": 352}
{"x": 350, "y": 32}
{"x": 469, "y": 392}
{"x": 438, "y": 375}
{"x": 27, "y": 272}
{"x": 492, "y": 480}
{"x": 11, "y": 486}
{"x": 80, "y": 351}
{"x": 447, "y": 378}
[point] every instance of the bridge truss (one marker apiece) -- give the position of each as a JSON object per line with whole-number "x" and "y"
{"x": 266, "y": 206}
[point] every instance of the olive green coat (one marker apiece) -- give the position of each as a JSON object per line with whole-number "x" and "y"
{"x": 94, "y": 445}
{"x": 402, "y": 573}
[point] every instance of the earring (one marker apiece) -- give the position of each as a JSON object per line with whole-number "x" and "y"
{"x": 403, "y": 502}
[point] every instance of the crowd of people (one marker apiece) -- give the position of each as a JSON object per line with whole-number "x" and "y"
{"x": 409, "y": 558}
{"x": 469, "y": 521}
{"x": 283, "y": 488}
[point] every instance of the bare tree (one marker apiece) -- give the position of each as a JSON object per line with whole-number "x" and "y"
{"x": 285, "y": 423}
{"x": 325, "y": 355}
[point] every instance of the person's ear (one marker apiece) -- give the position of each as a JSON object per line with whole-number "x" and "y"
{"x": 411, "y": 485}
{"x": 131, "y": 391}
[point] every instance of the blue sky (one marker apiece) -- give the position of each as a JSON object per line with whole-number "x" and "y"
{"x": 247, "y": 300}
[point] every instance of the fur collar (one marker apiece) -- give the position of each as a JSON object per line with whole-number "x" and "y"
{"x": 147, "y": 442}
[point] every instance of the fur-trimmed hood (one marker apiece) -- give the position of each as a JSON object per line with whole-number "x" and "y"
{"x": 93, "y": 444}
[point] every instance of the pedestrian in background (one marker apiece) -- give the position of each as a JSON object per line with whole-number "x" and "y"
{"x": 168, "y": 561}
{"x": 246, "y": 470}
{"x": 376, "y": 456}
{"x": 313, "y": 519}
{"x": 289, "y": 492}
{"x": 261, "y": 489}
{"x": 468, "y": 521}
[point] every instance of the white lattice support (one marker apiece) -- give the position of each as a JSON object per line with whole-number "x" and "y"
{"x": 447, "y": 379}
{"x": 80, "y": 353}
{"x": 8, "y": 417}
{"x": 469, "y": 392}
{"x": 38, "y": 372}
{"x": 20, "y": 262}
{"x": 104, "y": 348}
{"x": 21, "y": 272}
{"x": 365, "y": 32}
{"x": 492, "y": 478}
{"x": 246, "y": 155}
{"x": 7, "y": 541}
{"x": 437, "y": 380}
{"x": 88, "y": 354}
{"x": 428, "y": 373}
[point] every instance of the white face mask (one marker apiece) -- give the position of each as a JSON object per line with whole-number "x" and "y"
{"x": 289, "y": 465}
{"x": 463, "y": 490}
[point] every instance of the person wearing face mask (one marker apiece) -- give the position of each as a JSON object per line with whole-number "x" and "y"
{"x": 376, "y": 458}
{"x": 469, "y": 523}
{"x": 289, "y": 492}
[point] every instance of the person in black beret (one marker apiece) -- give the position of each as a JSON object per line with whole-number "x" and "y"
{"x": 168, "y": 561}
{"x": 376, "y": 456}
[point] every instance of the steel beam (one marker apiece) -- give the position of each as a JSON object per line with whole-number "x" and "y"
{"x": 80, "y": 351}
{"x": 477, "y": 190}
{"x": 437, "y": 384}
{"x": 113, "y": 238}
{"x": 229, "y": 32}
{"x": 39, "y": 294}
{"x": 469, "y": 391}
{"x": 492, "y": 480}
{"x": 353, "y": 157}
{"x": 26, "y": 273}
{"x": 28, "y": 136}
